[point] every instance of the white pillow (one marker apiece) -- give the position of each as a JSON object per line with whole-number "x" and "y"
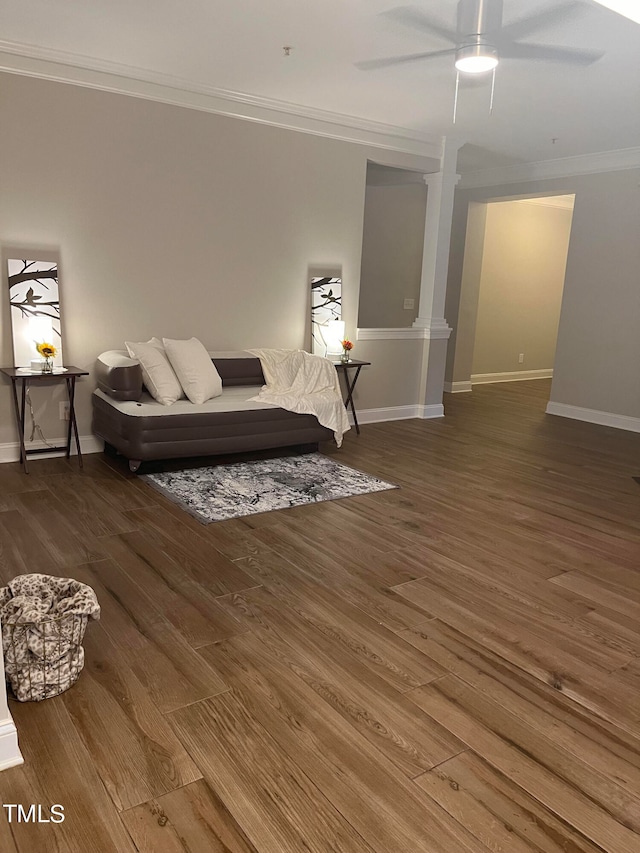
{"x": 157, "y": 373}
{"x": 193, "y": 366}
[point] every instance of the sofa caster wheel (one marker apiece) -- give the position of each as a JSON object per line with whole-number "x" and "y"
{"x": 134, "y": 464}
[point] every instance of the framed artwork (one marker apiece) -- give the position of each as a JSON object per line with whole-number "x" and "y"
{"x": 327, "y": 328}
{"x": 35, "y": 309}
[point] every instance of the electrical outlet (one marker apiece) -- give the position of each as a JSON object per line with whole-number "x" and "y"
{"x": 409, "y": 303}
{"x": 521, "y": 358}
{"x": 64, "y": 411}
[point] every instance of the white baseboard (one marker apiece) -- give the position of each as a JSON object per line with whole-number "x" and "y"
{"x": 387, "y": 413}
{"x": 457, "y": 387}
{"x": 10, "y": 451}
{"x": 398, "y": 413}
{"x": 10, "y": 755}
{"x": 593, "y": 416}
{"x": 514, "y": 376}
{"x": 434, "y": 410}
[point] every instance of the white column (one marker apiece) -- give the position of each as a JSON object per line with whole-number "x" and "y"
{"x": 10, "y": 754}
{"x": 433, "y": 282}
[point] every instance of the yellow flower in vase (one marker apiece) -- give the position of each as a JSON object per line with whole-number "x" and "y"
{"x": 48, "y": 352}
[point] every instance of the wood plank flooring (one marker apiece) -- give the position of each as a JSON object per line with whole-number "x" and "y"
{"x": 451, "y": 667}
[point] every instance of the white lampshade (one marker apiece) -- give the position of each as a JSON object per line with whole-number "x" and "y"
{"x": 40, "y": 330}
{"x": 334, "y": 336}
{"x": 628, "y": 8}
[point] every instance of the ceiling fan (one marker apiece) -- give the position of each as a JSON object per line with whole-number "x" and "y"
{"x": 480, "y": 39}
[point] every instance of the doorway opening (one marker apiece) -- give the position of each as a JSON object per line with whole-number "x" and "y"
{"x": 513, "y": 277}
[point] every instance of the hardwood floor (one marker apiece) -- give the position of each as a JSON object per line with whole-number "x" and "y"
{"x": 451, "y": 667}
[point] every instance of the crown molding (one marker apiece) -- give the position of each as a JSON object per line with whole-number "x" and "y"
{"x": 76, "y": 69}
{"x": 559, "y": 202}
{"x": 581, "y": 164}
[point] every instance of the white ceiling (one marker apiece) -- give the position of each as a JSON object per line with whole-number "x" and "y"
{"x": 236, "y": 45}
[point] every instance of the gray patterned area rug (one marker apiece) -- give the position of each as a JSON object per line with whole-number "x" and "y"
{"x": 221, "y": 492}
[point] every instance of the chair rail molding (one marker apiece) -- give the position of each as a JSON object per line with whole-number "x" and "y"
{"x": 427, "y": 330}
{"x": 435, "y": 328}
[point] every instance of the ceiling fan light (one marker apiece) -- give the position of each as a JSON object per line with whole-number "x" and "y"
{"x": 628, "y": 8}
{"x": 476, "y": 58}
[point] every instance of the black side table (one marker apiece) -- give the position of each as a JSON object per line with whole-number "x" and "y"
{"x": 344, "y": 367}
{"x": 24, "y": 379}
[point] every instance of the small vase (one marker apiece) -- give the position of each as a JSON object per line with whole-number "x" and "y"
{"x": 47, "y": 365}
{"x": 345, "y": 358}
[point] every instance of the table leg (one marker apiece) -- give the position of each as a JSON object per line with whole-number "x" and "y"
{"x": 69, "y": 425}
{"x": 349, "y": 401}
{"x": 20, "y": 415}
{"x": 71, "y": 393}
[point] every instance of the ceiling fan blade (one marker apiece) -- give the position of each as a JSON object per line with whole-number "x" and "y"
{"x": 370, "y": 64}
{"x": 415, "y": 18}
{"x": 540, "y": 19}
{"x": 549, "y": 53}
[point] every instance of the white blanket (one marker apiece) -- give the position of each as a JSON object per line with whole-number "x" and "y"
{"x": 303, "y": 383}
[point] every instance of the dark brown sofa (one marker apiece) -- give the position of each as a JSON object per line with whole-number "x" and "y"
{"x": 141, "y": 429}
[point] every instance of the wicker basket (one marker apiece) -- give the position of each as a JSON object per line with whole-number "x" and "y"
{"x": 44, "y": 658}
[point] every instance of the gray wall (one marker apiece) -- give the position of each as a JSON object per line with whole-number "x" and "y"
{"x": 174, "y": 222}
{"x": 523, "y": 268}
{"x": 598, "y": 351}
{"x": 392, "y": 245}
{"x": 463, "y": 286}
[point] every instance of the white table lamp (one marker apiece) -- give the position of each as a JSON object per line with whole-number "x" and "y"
{"x": 334, "y": 336}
